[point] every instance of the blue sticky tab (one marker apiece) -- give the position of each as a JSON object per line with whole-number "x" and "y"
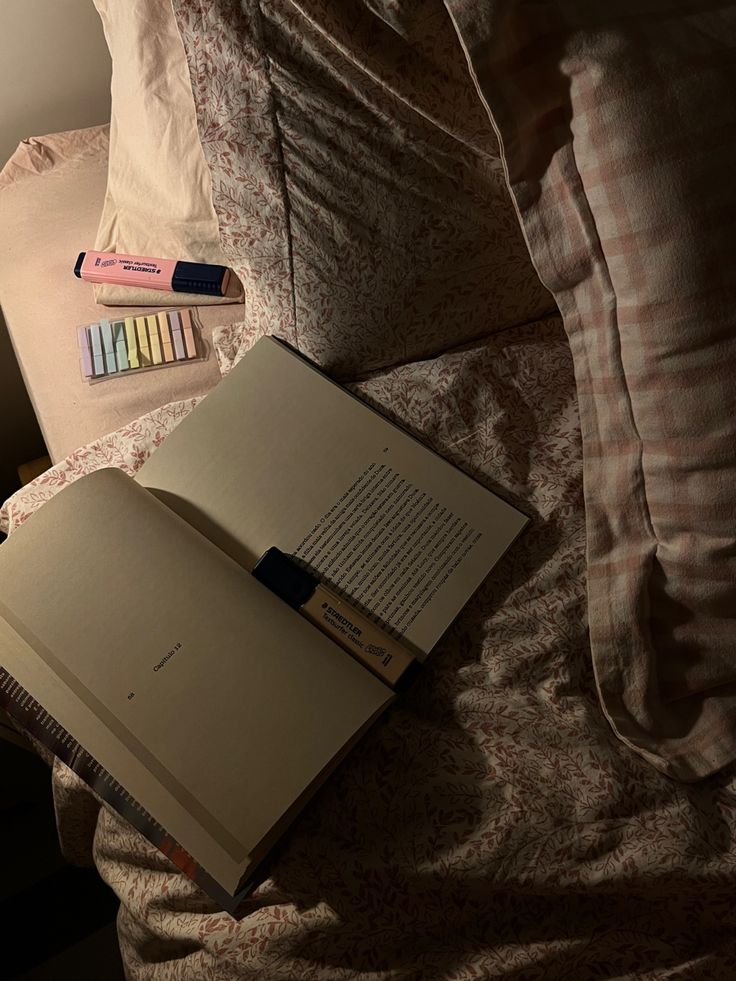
{"x": 85, "y": 352}
{"x": 121, "y": 349}
{"x": 106, "y": 332}
{"x": 98, "y": 358}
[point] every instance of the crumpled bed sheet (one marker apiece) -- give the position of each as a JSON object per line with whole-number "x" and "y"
{"x": 490, "y": 825}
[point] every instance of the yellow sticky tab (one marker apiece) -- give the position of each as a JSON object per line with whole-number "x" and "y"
{"x": 144, "y": 352}
{"x": 156, "y": 356}
{"x": 132, "y": 342}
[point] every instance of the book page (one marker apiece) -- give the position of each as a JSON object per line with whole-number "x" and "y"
{"x": 388, "y": 546}
{"x": 212, "y": 702}
{"x": 277, "y": 454}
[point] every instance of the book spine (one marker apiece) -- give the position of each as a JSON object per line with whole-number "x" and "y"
{"x": 35, "y": 721}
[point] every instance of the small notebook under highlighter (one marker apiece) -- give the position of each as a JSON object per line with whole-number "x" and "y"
{"x": 112, "y": 348}
{"x": 138, "y": 646}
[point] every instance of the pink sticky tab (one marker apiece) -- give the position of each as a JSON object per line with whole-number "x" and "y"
{"x": 186, "y": 329}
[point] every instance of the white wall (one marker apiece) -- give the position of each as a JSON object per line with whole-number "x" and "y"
{"x": 54, "y": 69}
{"x": 54, "y": 75}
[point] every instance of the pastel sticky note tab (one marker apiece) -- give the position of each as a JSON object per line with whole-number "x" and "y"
{"x": 177, "y": 339}
{"x": 84, "y": 352}
{"x": 132, "y": 342}
{"x": 107, "y": 346}
{"x": 152, "y": 325}
{"x": 98, "y": 358}
{"x": 186, "y": 329}
{"x": 118, "y": 340}
{"x": 144, "y": 351}
{"x": 163, "y": 329}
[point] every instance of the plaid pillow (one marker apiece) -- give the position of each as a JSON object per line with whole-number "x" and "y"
{"x": 618, "y": 126}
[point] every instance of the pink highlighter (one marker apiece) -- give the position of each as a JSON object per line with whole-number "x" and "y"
{"x": 155, "y": 274}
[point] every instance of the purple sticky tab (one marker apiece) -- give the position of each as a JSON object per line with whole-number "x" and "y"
{"x": 84, "y": 351}
{"x": 176, "y": 337}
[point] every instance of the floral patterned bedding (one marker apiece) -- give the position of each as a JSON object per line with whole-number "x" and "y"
{"x": 490, "y": 825}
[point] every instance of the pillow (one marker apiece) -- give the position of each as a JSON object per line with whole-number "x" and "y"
{"x": 357, "y": 180}
{"x": 618, "y": 128}
{"x": 159, "y": 193}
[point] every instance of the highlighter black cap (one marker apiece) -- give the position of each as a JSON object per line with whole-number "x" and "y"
{"x": 78, "y": 265}
{"x": 283, "y": 576}
{"x": 199, "y": 277}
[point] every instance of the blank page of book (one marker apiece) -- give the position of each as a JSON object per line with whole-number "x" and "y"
{"x": 202, "y": 700}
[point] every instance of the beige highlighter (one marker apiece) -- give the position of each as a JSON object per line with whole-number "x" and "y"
{"x": 368, "y": 643}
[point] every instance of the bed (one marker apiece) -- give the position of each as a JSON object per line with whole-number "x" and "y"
{"x": 555, "y": 796}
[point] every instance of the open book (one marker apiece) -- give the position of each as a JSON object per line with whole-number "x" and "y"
{"x": 136, "y": 643}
